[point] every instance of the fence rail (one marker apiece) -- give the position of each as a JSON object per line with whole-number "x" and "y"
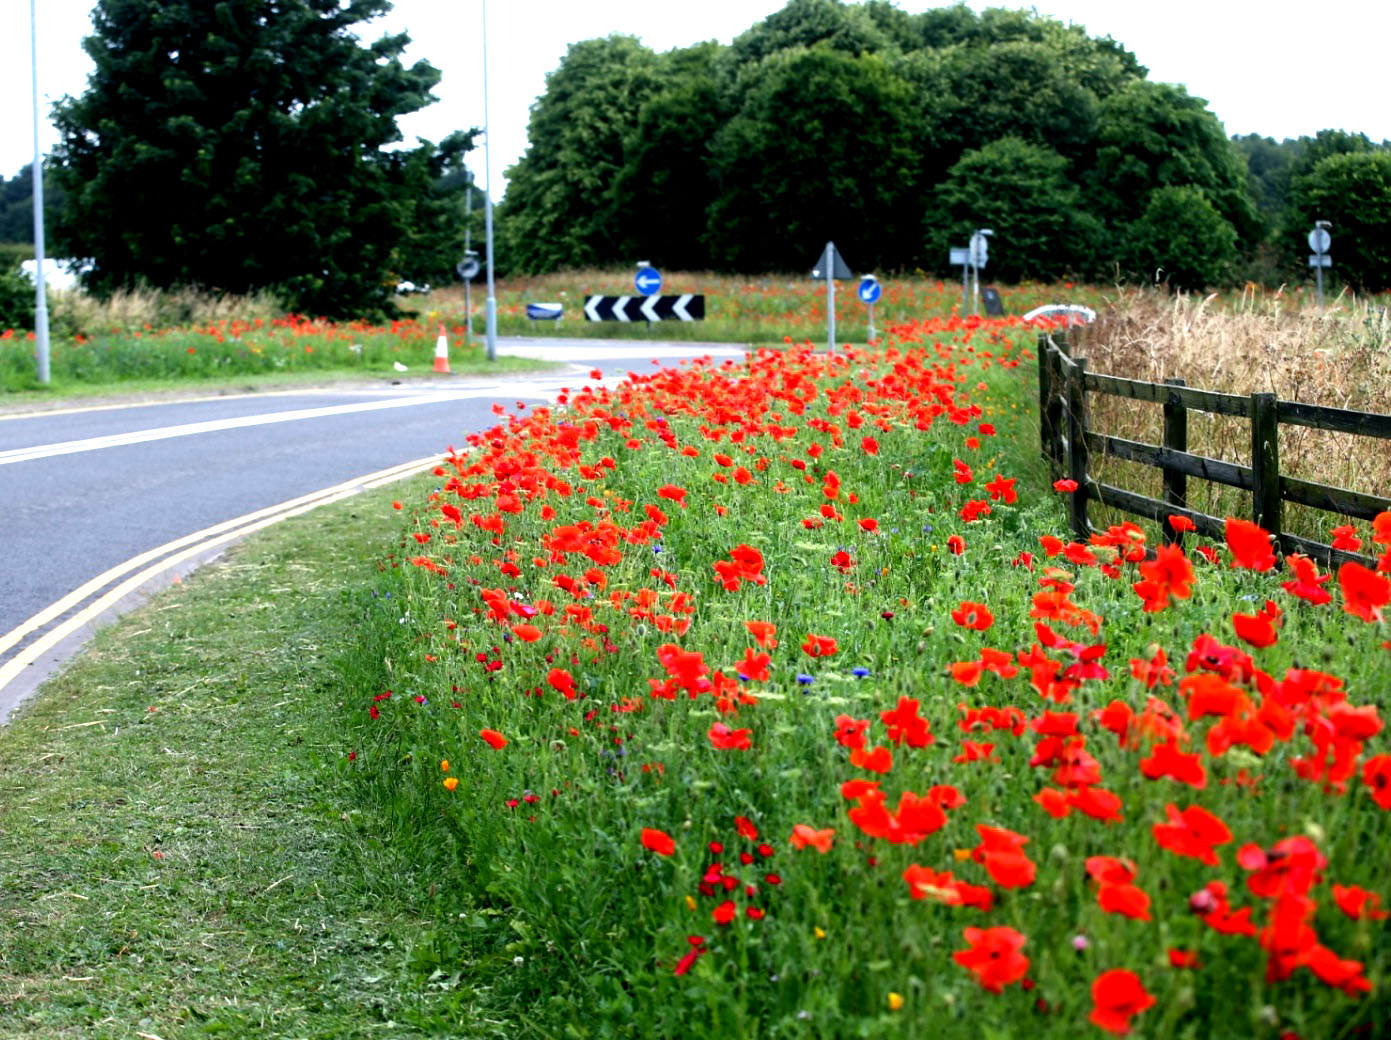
{"x": 1068, "y": 443}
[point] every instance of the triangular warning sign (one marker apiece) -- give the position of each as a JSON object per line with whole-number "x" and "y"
{"x": 840, "y": 271}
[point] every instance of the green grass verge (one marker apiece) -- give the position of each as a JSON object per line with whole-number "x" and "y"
{"x": 60, "y": 390}
{"x": 179, "y": 853}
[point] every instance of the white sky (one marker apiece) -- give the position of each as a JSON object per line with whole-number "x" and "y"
{"x": 1278, "y": 68}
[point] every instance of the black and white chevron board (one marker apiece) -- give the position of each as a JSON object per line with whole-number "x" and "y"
{"x": 686, "y": 307}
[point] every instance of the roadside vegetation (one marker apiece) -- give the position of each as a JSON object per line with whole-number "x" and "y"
{"x": 767, "y": 699}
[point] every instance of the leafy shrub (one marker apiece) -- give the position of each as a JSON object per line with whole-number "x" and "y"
{"x": 1181, "y": 239}
{"x": 16, "y": 297}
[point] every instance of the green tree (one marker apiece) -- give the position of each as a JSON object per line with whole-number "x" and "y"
{"x": 1352, "y": 191}
{"x": 1181, "y": 239}
{"x": 1154, "y": 135}
{"x": 1021, "y": 192}
{"x": 665, "y": 187}
{"x": 824, "y": 146}
{"x": 17, "y": 204}
{"x": 243, "y": 144}
{"x": 850, "y": 28}
{"x": 561, "y": 207}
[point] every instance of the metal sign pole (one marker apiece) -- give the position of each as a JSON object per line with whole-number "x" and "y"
{"x": 965, "y": 279}
{"x": 871, "y": 322}
{"x": 468, "y": 282}
{"x": 975, "y": 280}
{"x": 490, "y": 330}
{"x": 36, "y": 171}
{"x": 1318, "y": 274}
{"x": 827, "y": 260}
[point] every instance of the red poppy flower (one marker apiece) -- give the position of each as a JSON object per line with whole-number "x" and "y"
{"x": 868, "y": 523}
{"x": 1001, "y": 853}
{"x": 956, "y": 544}
{"x": 819, "y": 646}
{"x": 688, "y": 961}
{"x": 975, "y": 616}
{"x": 1067, "y": 485}
{"x": 1192, "y": 833}
{"x": 671, "y": 491}
{"x": 1169, "y": 574}
{"x": 1165, "y": 759}
{"x": 1185, "y": 959}
{"x": 876, "y": 760}
{"x": 1096, "y": 802}
{"x": 869, "y": 446}
{"x": 804, "y": 835}
{"x": 1345, "y": 537}
{"x": 1376, "y": 774}
{"x": 1181, "y": 523}
{"x": 993, "y": 957}
{"x": 1308, "y": 583}
{"x": 1364, "y": 592}
{"x": 1249, "y": 544}
{"x": 494, "y": 739}
{"x": 763, "y": 632}
{"x": 850, "y": 732}
{"x": 1358, "y": 903}
{"x": 1002, "y": 489}
{"x": 905, "y": 726}
{"x": 657, "y": 841}
{"x": 725, "y": 912}
{"x": 753, "y": 667}
{"x": 1256, "y": 629}
{"x": 1118, "y": 997}
{"x": 722, "y": 738}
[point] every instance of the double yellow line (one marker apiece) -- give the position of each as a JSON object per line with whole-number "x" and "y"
{"x": 93, "y": 602}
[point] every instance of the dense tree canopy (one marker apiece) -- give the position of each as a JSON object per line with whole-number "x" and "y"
{"x": 1352, "y": 191}
{"x": 894, "y": 134}
{"x": 243, "y": 144}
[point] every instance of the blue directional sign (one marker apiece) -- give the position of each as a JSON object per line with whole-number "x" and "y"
{"x": 870, "y": 289}
{"x": 648, "y": 281}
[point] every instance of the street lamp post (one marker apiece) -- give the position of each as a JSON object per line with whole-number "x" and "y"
{"x": 491, "y": 319}
{"x": 40, "y": 295}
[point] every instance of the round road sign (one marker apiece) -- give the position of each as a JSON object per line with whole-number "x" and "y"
{"x": 467, "y": 268}
{"x": 648, "y": 281}
{"x": 870, "y": 289}
{"x": 1320, "y": 240}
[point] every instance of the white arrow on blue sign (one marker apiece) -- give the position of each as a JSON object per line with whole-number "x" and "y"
{"x": 870, "y": 289}
{"x": 648, "y": 281}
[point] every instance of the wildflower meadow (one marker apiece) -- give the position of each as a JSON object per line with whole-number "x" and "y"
{"x": 772, "y": 699}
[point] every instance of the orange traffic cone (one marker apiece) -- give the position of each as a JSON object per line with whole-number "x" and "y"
{"x": 442, "y": 351}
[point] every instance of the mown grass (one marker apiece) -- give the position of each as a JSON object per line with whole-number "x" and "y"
{"x": 60, "y": 391}
{"x": 182, "y": 853}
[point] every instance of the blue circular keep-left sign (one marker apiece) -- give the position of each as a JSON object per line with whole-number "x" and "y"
{"x": 870, "y": 289}
{"x": 648, "y": 281}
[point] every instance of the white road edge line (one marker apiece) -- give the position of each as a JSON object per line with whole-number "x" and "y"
{"x": 202, "y": 540}
{"x": 43, "y": 451}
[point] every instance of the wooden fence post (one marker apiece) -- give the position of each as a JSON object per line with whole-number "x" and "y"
{"x": 1046, "y": 431}
{"x": 1265, "y": 463}
{"x": 1175, "y": 439}
{"x": 1077, "y": 444}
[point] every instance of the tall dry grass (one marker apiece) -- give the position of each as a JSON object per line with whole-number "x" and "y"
{"x": 1338, "y": 356}
{"x": 132, "y": 310}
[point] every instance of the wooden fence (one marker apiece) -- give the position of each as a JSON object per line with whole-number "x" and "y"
{"x": 1068, "y": 443}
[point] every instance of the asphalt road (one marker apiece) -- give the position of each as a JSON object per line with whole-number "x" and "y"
{"x": 73, "y": 504}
